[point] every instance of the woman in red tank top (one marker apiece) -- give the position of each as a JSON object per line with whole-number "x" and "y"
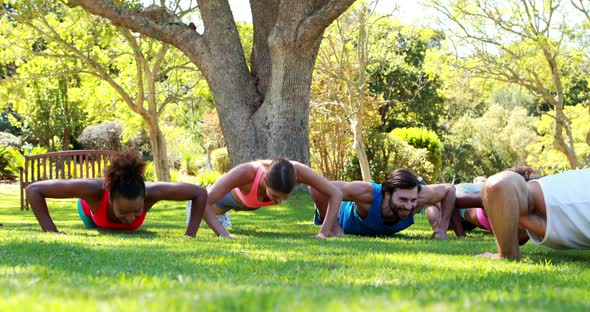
{"x": 261, "y": 183}
{"x": 120, "y": 200}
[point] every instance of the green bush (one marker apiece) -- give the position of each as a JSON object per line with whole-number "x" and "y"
{"x": 191, "y": 163}
{"x": 175, "y": 175}
{"x": 10, "y": 161}
{"x": 220, "y": 160}
{"x": 207, "y": 178}
{"x": 150, "y": 172}
{"x": 404, "y": 155}
{"x": 377, "y": 154}
{"x": 387, "y": 155}
{"x": 29, "y": 149}
{"x": 423, "y": 138}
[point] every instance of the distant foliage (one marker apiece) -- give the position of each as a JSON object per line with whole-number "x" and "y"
{"x": 104, "y": 136}
{"x": 423, "y": 138}
{"x": 488, "y": 144}
{"x": 403, "y": 155}
{"x": 150, "y": 172}
{"x": 10, "y": 162}
{"x": 387, "y": 152}
{"x": 220, "y": 160}
{"x": 377, "y": 154}
{"x": 546, "y": 159}
{"x": 208, "y": 177}
{"x": 191, "y": 163}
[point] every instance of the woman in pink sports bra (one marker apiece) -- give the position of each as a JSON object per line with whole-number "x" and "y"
{"x": 470, "y": 202}
{"x": 119, "y": 201}
{"x": 260, "y": 183}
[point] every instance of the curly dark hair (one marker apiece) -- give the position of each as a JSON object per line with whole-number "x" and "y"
{"x": 125, "y": 175}
{"x": 527, "y": 173}
{"x": 280, "y": 175}
{"x": 400, "y": 179}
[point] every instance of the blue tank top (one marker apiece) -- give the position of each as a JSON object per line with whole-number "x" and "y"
{"x": 372, "y": 225}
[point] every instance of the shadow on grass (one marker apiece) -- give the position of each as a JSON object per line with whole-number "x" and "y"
{"x": 285, "y": 277}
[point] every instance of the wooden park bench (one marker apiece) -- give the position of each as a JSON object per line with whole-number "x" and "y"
{"x": 77, "y": 164}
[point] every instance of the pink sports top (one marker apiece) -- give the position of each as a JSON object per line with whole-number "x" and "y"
{"x": 251, "y": 199}
{"x": 102, "y": 221}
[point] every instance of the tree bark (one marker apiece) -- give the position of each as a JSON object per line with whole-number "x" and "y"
{"x": 360, "y": 149}
{"x": 159, "y": 152}
{"x": 263, "y": 113}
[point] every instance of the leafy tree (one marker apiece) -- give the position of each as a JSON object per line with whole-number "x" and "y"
{"x": 263, "y": 109}
{"x": 347, "y": 50}
{"x": 547, "y": 159}
{"x": 144, "y": 74}
{"x": 8, "y": 119}
{"x": 521, "y": 42}
{"x": 411, "y": 95}
{"x": 488, "y": 144}
{"x": 427, "y": 139}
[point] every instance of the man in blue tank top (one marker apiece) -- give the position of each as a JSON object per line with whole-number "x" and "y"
{"x": 373, "y": 209}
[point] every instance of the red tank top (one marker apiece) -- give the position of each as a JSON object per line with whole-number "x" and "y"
{"x": 102, "y": 221}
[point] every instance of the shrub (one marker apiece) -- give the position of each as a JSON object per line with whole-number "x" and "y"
{"x": 29, "y": 149}
{"x": 377, "y": 155}
{"x": 150, "y": 172}
{"x": 423, "y": 138}
{"x": 175, "y": 175}
{"x": 104, "y": 136}
{"x": 387, "y": 153}
{"x": 9, "y": 140}
{"x": 10, "y": 161}
{"x": 220, "y": 160}
{"x": 404, "y": 155}
{"x": 192, "y": 163}
{"x": 207, "y": 178}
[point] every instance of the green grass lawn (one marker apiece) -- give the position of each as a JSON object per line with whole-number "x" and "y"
{"x": 273, "y": 265}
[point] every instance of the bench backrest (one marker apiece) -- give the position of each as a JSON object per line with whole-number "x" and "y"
{"x": 77, "y": 164}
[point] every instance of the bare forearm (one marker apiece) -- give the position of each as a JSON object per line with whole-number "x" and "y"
{"x": 469, "y": 201}
{"x": 457, "y": 225}
{"x": 505, "y": 200}
{"x": 331, "y": 218}
{"x": 214, "y": 223}
{"x": 446, "y": 211}
{"x": 39, "y": 207}
{"x": 198, "y": 205}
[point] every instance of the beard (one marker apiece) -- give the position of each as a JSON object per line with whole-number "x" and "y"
{"x": 397, "y": 209}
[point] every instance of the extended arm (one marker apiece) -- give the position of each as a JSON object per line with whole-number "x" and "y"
{"x": 180, "y": 191}
{"x": 505, "y": 198}
{"x": 236, "y": 177}
{"x": 39, "y": 191}
{"x": 333, "y": 195}
{"x": 445, "y": 194}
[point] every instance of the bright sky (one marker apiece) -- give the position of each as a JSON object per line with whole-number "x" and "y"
{"x": 410, "y": 11}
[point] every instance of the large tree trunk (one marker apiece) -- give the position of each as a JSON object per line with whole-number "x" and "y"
{"x": 561, "y": 124}
{"x": 264, "y": 112}
{"x": 159, "y": 152}
{"x": 282, "y": 122}
{"x": 65, "y": 145}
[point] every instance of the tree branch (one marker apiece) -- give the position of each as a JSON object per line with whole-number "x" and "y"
{"x": 313, "y": 26}
{"x": 170, "y": 31}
